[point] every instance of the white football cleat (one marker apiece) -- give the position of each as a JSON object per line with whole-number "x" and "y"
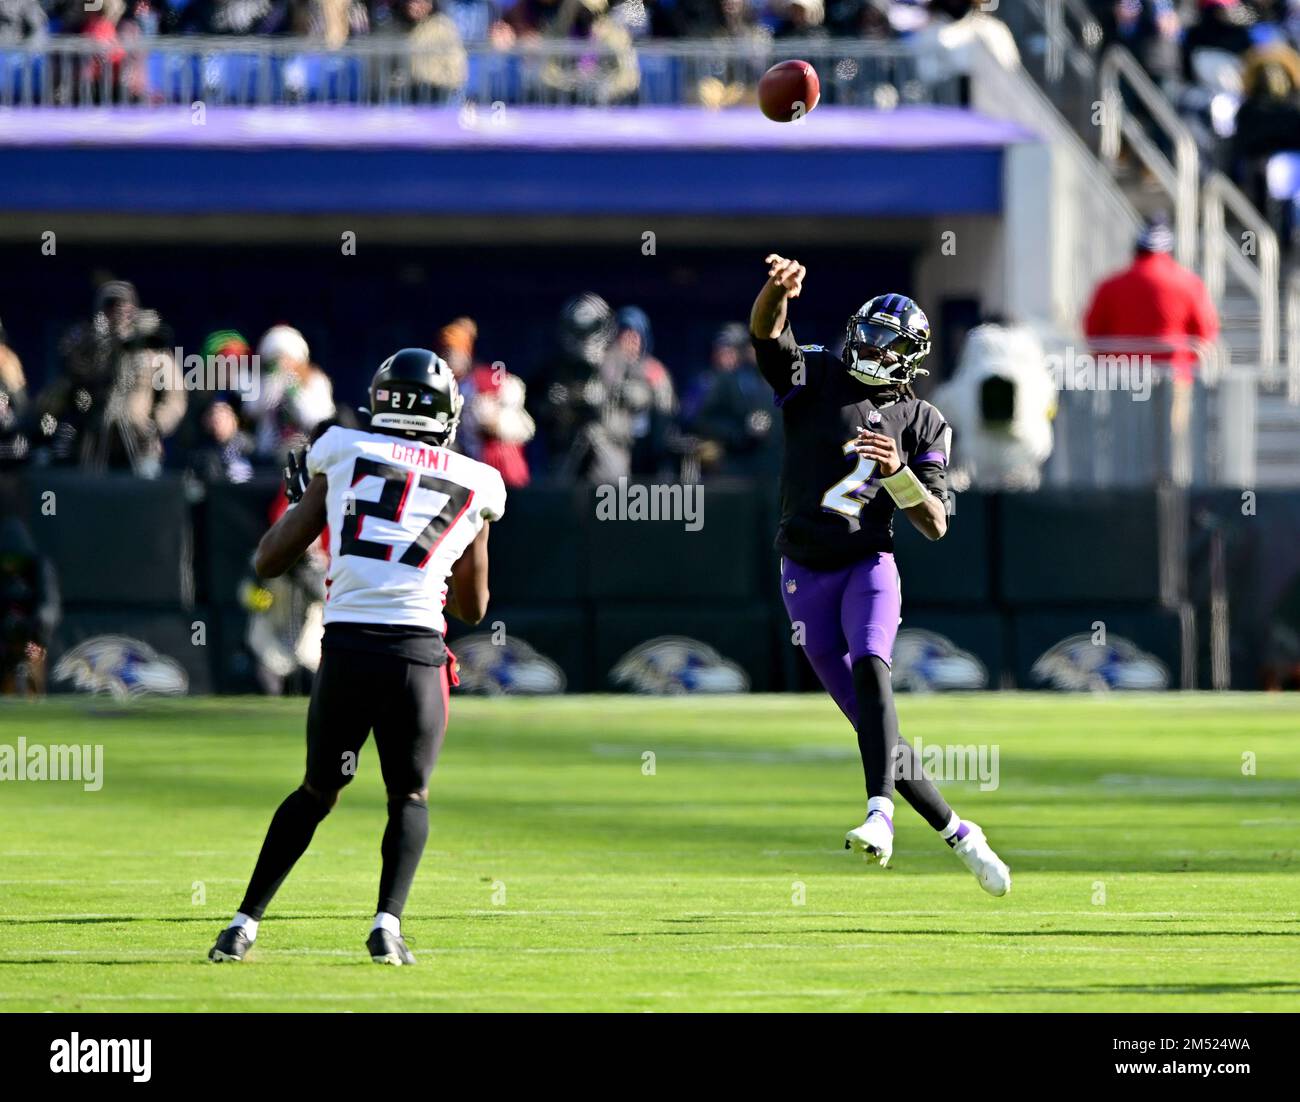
{"x": 978, "y": 856}
{"x": 873, "y": 839}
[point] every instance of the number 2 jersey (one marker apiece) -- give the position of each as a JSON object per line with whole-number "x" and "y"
{"x": 400, "y": 514}
{"x": 833, "y": 509}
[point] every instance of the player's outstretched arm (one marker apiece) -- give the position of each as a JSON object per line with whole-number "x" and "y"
{"x": 784, "y": 281}
{"x": 467, "y": 598}
{"x": 293, "y": 533}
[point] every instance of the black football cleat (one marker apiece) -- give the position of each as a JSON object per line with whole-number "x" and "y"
{"x": 386, "y": 948}
{"x": 232, "y": 944}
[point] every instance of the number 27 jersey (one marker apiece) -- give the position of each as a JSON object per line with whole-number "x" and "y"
{"x": 400, "y": 514}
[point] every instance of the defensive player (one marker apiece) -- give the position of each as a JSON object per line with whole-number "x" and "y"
{"x": 405, "y": 515}
{"x": 858, "y": 446}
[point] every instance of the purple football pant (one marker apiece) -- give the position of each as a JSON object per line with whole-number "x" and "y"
{"x": 845, "y": 616}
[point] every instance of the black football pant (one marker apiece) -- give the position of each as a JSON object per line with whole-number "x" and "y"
{"x": 355, "y": 692}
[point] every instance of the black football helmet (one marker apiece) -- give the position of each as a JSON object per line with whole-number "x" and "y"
{"x": 414, "y": 394}
{"x": 586, "y": 328}
{"x": 886, "y": 340}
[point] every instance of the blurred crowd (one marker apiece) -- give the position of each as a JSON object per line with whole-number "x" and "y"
{"x": 1232, "y": 70}
{"x": 129, "y": 395}
{"x": 500, "y": 22}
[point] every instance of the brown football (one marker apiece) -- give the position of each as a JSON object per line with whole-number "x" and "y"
{"x": 788, "y": 91}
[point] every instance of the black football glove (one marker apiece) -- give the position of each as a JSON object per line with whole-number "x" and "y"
{"x": 296, "y": 476}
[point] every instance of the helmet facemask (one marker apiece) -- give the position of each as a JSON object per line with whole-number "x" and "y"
{"x": 879, "y": 352}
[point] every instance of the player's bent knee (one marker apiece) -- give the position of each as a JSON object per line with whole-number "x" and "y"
{"x": 871, "y": 675}
{"x": 415, "y": 796}
{"x": 326, "y": 798}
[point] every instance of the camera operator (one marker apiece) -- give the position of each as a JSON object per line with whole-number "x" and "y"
{"x": 121, "y": 393}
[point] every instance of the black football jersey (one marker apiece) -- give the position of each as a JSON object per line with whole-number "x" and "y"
{"x": 833, "y": 509}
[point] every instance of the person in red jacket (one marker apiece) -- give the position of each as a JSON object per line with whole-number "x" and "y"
{"x": 1157, "y": 314}
{"x": 1156, "y": 300}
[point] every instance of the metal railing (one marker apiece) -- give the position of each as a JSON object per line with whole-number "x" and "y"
{"x": 1222, "y": 250}
{"x": 273, "y": 71}
{"x": 1178, "y": 179}
{"x": 1293, "y": 339}
{"x": 1126, "y": 416}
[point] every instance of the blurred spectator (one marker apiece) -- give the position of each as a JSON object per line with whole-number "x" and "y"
{"x": 573, "y": 410}
{"x": 235, "y": 17}
{"x": 1224, "y": 25}
{"x": 455, "y": 344}
{"x": 29, "y": 610}
{"x": 291, "y": 395}
{"x": 530, "y": 19}
{"x": 439, "y": 64}
{"x": 800, "y": 19}
{"x": 1150, "y": 29}
{"x": 942, "y": 47}
{"x": 13, "y": 405}
{"x": 857, "y": 19}
{"x": 286, "y": 616}
{"x": 147, "y": 18}
{"x": 1157, "y": 305}
{"x": 1000, "y": 403}
{"x": 1156, "y": 313}
{"x": 730, "y": 412}
{"x": 112, "y": 77}
{"x": 1268, "y": 120}
{"x": 223, "y": 451}
{"x": 504, "y": 425}
{"x": 735, "y": 81}
{"x": 608, "y": 72}
{"x": 644, "y": 389}
{"x": 121, "y": 393}
{"x": 22, "y": 21}
{"x": 480, "y": 21}
{"x": 494, "y": 426}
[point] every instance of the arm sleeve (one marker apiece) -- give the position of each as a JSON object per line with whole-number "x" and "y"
{"x": 934, "y": 448}
{"x": 783, "y": 364}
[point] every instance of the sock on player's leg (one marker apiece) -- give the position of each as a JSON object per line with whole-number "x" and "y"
{"x": 882, "y": 804}
{"x": 402, "y": 847}
{"x": 877, "y": 724}
{"x": 246, "y": 923}
{"x": 955, "y": 831}
{"x": 389, "y": 922}
{"x": 287, "y": 839}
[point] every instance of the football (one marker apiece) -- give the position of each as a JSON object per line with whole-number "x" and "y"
{"x": 788, "y": 91}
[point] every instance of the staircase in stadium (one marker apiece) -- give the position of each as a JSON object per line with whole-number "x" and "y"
{"x": 1152, "y": 156}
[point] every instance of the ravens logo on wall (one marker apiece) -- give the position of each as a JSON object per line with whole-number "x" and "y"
{"x": 1077, "y": 664}
{"x": 673, "y": 664}
{"x": 121, "y": 666}
{"x": 509, "y": 667}
{"x": 925, "y": 661}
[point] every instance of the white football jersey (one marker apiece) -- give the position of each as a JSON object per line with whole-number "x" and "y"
{"x": 400, "y": 514}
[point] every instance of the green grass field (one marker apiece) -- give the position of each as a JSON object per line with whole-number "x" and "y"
{"x": 1150, "y": 873}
